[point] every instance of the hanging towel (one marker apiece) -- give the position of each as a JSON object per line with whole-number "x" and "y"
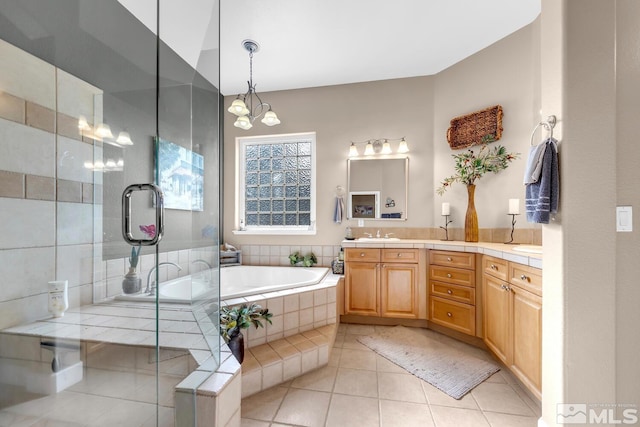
{"x": 542, "y": 196}
{"x": 534, "y": 163}
{"x": 339, "y": 210}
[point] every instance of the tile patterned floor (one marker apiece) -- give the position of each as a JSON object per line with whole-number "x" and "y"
{"x": 361, "y": 388}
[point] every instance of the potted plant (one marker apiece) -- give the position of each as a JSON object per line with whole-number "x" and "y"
{"x": 234, "y": 319}
{"x": 471, "y": 166}
{"x": 304, "y": 261}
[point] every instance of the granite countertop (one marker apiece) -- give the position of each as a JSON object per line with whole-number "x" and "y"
{"x": 515, "y": 253}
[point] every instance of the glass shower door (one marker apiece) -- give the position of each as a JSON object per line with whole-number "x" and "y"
{"x": 84, "y": 101}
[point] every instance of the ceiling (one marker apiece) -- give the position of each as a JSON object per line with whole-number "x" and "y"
{"x": 308, "y": 43}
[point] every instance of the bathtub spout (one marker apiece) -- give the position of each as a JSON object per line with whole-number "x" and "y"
{"x": 207, "y": 265}
{"x": 151, "y": 286}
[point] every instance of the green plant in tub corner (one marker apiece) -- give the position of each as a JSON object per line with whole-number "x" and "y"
{"x": 307, "y": 261}
{"x": 233, "y": 319}
{"x": 471, "y": 166}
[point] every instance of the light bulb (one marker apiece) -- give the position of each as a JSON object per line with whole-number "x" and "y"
{"x": 124, "y": 138}
{"x": 403, "y": 147}
{"x": 238, "y": 108}
{"x": 82, "y": 123}
{"x": 386, "y": 147}
{"x": 368, "y": 151}
{"x": 104, "y": 131}
{"x": 353, "y": 150}
{"x": 270, "y": 119}
{"x": 243, "y": 123}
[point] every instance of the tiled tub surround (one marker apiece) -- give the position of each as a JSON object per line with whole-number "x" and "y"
{"x": 299, "y": 338}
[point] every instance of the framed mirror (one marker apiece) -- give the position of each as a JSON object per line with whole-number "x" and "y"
{"x": 378, "y": 188}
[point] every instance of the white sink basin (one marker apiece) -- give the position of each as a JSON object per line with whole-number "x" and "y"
{"x": 528, "y": 249}
{"x": 378, "y": 239}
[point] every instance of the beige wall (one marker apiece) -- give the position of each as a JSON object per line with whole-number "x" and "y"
{"x": 590, "y": 79}
{"x": 338, "y": 115}
{"x": 627, "y": 194}
{"x": 505, "y": 73}
{"x": 420, "y": 109}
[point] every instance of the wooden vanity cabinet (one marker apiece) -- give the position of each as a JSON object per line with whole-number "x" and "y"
{"x": 452, "y": 293}
{"x": 382, "y": 282}
{"x": 513, "y": 318}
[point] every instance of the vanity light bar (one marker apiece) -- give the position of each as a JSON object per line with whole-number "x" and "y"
{"x": 378, "y": 146}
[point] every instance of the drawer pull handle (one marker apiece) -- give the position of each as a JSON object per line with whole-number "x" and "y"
{"x": 493, "y": 267}
{"x": 449, "y": 258}
{"x": 449, "y": 314}
{"x": 449, "y": 275}
{"x": 449, "y": 291}
{"x": 361, "y": 253}
{"x": 523, "y": 277}
{"x": 399, "y": 255}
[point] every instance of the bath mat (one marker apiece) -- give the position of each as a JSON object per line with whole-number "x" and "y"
{"x": 444, "y": 367}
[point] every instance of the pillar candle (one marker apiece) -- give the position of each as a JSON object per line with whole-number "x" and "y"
{"x": 446, "y": 209}
{"x": 514, "y": 206}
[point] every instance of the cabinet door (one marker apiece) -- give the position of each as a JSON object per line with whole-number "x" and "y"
{"x": 527, "y": 338}
{"x": 399, "y": 291}
{"x": 496, "y": 317}
{"x": 361, "y": 288}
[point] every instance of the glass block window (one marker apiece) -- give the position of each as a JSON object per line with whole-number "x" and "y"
{"x": 277, "y": 182}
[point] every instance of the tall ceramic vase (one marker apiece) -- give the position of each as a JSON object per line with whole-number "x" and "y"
{"x": 471, "y": 218}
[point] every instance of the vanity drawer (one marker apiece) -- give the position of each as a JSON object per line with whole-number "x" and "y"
{"x": 458, "y": 293}
{"x": 453, "y": 259}
{"x": 457, "y": 276}
{"x": 400, "y": 255}
{"x": 528, "y": 278}
{"x": 362, "y": 255}
{"x": 496, "y": 267}
{"x": 455, "y": 315}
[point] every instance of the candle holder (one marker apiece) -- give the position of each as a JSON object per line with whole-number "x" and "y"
{"x": 447, "y": 221}
{"x": 513, "y": 225}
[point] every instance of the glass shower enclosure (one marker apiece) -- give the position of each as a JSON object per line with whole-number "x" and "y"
{"x": 109, "y": 210}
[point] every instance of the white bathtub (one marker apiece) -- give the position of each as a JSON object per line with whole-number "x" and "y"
{"x": 236, "y": 281}
{"x": 243, "y": 280}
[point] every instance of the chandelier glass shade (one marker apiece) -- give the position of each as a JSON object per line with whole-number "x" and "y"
{"x": 249, "y": 106}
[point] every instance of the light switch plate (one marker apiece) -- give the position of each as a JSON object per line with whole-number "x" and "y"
{"x": 624, "y": 218}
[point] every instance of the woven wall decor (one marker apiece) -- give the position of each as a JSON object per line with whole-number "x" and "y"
{"x": 472, "y": 129}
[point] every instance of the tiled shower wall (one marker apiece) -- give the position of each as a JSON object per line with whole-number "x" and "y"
{"x": 46, "y": 193}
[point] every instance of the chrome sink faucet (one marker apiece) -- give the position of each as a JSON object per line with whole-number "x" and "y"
{"x": 378, "y": 234}
{"x": 151, "y": 286}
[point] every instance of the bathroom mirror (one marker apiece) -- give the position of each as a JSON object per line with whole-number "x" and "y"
{"x": 382, "y": 183}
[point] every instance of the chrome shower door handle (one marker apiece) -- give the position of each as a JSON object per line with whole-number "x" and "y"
{"x": 126, "y": 214}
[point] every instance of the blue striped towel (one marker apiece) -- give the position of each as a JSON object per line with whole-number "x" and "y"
{"x": 339, "y": 210}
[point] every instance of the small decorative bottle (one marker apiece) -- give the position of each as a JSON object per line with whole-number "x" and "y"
{"x": 58, "y": 297}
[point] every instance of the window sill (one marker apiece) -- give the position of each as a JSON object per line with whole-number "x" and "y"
{"x": 265, "y": 232}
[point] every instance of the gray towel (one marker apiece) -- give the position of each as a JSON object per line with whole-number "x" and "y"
{"x": 534, "y": 163}
{"x": 542, "y": 196}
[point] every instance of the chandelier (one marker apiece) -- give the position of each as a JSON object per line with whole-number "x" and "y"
{"x": 249, "y": 106}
